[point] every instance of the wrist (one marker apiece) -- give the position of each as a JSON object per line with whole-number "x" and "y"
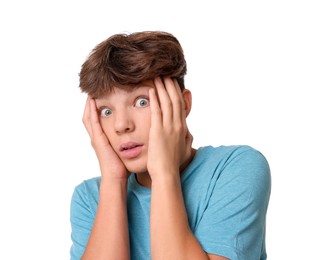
{"x": 163, "y": 170}
{"x": 109, "y": 183}
{"x": 168, "y": 178}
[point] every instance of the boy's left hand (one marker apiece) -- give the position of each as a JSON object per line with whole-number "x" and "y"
{"x": 169, "y": 139}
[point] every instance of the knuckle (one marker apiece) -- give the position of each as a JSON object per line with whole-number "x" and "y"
{"x": 178, "y": 127}
{"x": 177, "y": 100}
{"x": 156, "y": 112}
{"x": 167, "y": 104}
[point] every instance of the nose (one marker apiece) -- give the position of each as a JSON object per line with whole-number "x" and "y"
{"x": 123, "y": 123}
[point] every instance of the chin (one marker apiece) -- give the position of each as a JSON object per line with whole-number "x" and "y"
{"x": 136, "y": 167}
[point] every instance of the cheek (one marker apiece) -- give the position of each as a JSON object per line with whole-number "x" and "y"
{"x": 145, "y": 122}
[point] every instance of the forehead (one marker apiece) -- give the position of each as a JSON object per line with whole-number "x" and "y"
{"x": 125, "y": 92}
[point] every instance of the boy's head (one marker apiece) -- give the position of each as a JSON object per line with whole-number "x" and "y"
{"x": 124, "y": 61}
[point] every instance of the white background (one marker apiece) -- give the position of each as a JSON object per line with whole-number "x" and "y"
{"x": 250, "y": 69}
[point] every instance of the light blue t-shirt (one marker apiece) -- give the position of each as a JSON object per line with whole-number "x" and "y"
{"x": 226, "y": 192}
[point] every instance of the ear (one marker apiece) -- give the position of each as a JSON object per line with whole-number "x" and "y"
{"x": 187, "y": 97}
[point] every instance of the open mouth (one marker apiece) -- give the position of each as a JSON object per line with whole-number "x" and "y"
{"x": 130, "y": 147}
{"x": 131, "y": 150}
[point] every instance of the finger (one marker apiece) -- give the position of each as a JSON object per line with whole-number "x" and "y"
{"x": 96, "y": 128}
{"x": 188, "y": 144}
{"x": 189, "y": 140}
{"x": 86, "y": 117}
{"x": 156, "y": 116}
{"x": 176, "y": 97}
{"x": 183, "y": 112}
{"x": 164, "y": 100}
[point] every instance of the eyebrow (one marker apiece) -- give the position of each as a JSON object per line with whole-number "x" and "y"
{"x": 134, "y": 92}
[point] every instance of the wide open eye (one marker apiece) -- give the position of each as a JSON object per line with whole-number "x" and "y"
{"x": 142, "y": 102}
{"x": 105, "y": 112}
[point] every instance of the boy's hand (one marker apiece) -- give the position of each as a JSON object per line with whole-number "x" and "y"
{"x": 110, "y": 164}
{"x": 169, "y": 139}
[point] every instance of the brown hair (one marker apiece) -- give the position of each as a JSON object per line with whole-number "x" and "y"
{"x": 126, "y": 60}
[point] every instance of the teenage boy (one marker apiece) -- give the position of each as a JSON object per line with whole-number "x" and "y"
{"x": 158, "y": 197}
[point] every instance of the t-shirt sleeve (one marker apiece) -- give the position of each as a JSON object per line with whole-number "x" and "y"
{"x": 82, "y": 219}
{"x": 233, "y": 223}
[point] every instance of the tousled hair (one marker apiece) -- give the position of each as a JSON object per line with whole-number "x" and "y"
{"x": 126, "y": 60}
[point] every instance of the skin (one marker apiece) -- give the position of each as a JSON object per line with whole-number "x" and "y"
{"x": 159, "y": 128}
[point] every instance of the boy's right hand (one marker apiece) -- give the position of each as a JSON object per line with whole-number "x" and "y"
{"x": 110, "y": 164}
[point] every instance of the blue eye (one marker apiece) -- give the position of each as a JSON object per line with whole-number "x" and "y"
{"x": 105, "y": 112}
{"x": 141, "y": 102}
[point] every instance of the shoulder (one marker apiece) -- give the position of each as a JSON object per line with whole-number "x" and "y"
{"x": 86, "y": 195}
{"x": 233, "y": 199}
{"x": 88, "y": 187}
{"x": 236, "y": 155}
{"x": 83, "y": 210}
{"x": 240, "y": 164}
{"x": 247, "y": 161}
{"x": 92, "y": 185}
{"x": 227, "y": 151}
{"x": 244, "y": 169}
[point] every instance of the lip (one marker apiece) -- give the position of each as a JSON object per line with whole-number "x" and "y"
{"x": 130, "y": 150}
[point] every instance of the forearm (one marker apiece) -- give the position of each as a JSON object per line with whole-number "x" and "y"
{"x": 171, "y": 237}
{"x": 109, "y": 238}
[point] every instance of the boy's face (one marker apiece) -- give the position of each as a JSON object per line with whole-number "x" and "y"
{"x": 125, "y": 119}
